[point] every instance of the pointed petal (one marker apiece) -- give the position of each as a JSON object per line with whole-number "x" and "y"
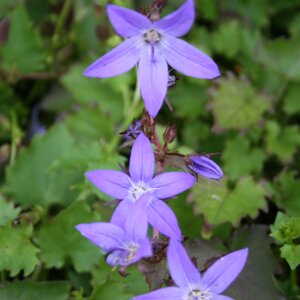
{"x": 182, "y": 270}
{"x": 136, "y": 225}
{"x": 153, "y": 78}
{"x": 141, "y": 165}
{"x": 180, "y": 21}
{"x": 161, "y": 217}
{"x": 221, "y": 297}
{"x": 121, "y": 212}
{"x": 188, "y": 60}
{"x": 145, "y": 250}
{"x": 171, "y": 183}
{"x": 127, "y": 22}
{"x": 105, "y": 235}
{"x": 168, "y": 293}
{"x": 112, "y": 183}
{"x": 117, "y": 61}
{"x": 224, "y": 271}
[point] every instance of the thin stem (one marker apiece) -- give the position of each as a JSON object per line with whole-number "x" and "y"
{"x": 61, "y": 20}
{"x": 14, "y": 134}
{"x": 133, "y": 112}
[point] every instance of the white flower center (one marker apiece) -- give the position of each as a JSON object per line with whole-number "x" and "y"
{"x": 152, "y": 36}
{"x": 199, "y": 295}
{"x": 132, "y": 250}
{"x": 137, "y": 190}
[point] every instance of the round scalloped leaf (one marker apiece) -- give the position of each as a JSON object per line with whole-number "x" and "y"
{"x": 30, "y": 182}
{"x": 7, "y": 212}
{"x": 236, "y": 104}
{"x": 60, "y": 241}
{"x": 218, "y": 204}
{"x": 16, "y": 250}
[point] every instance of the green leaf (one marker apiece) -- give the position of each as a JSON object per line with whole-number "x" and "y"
{"x": 236, "y": 104}
{"x": 29, "y": 180}
{"x": 292, "y": 255}
{"x": 188, "y": 99}
{"x": 287, "y": 191}
{"x": 218, "y": 204}
{"x": 131, "y": 285}
{"x": 240, "y": 159}
{"x": 110, "y": 290}
{"x": 7, "y": 5}
{"x": 281, "y": 56}
{"x": 253, "y": 13}
{"x": 16, "y": 251}
{"x": 282, "y": 141}
{"x": 228, "y": 38}
{"x": 94, "y": 90}
{"x": 28, "y": 290}
{"x": 7, "y": 212}
{"x": 255, "y": 281}
{"x": 286, "y": 230}
{"x": 23, "y": 51}
{"x": 60, "y": 241}
{"x": 89, "y": 124}
{"x": 291, "y": 103}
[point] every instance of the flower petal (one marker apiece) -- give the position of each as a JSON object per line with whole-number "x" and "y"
{"x": 187, "y": 59}
{"x": 145, "y": 250}
{"x": 112, "y": 183}
{"x": 117, "y": 61}
{"x": 171, "y": 183}
{"x": 121, "y": 212}
{"x": 161, "y": 217}
{"x": 224, "y": 271}
{"x": 153, "y": 78}
{"x": 141, "y": 165}
{"x": 127, "y": 22}
{"x": 221, "y": 297}
{"x": 206, "y": 167}
{"x": 180, "y": 21}
{"x": 105, "y": 235}
{"x": 182, "y": 270}
{"x": 168, "y": 293}
{"x": 136, "y": 225}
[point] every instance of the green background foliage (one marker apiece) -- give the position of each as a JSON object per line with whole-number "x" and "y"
{"x": 56, "y": 124}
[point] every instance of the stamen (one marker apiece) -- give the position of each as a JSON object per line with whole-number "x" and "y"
{"x": 199, "y": 295}
{"x": 152, "y": 36}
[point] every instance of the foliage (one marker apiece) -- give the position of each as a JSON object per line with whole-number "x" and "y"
{"x": 56, "y": 124}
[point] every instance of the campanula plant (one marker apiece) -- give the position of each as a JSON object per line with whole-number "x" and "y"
{"x": 142, "y": 193}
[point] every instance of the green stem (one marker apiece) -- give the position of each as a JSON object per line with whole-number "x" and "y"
{"x": 61, "y": 20}
{"x": 132, "y": 112}
{"x": 14, "y": 136}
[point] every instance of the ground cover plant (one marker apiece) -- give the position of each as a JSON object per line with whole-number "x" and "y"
{"x": 149, "y": 149}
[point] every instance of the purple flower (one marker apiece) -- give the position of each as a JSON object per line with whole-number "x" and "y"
{"x": 191, "y": 284}
{"x": 125, "y": 245}
{"x": 133, "y": 131}
{"x": 141, "y": 182}
{"x": 153, "y": 45}
{"x": 205, "y": 167}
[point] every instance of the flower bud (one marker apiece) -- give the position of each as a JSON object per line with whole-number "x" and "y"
{"x": 170, "y": 134}
{"x": 205, "y": 167}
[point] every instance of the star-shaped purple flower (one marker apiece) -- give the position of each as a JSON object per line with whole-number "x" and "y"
{"x": 153, "y": 45}
{"x": 141, "y": 182}
{"x": 191, "y": 284}
{"x": 125, "y": 245}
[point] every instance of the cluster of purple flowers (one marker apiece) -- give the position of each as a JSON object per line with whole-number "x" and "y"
{"x": 142, "y": 193}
